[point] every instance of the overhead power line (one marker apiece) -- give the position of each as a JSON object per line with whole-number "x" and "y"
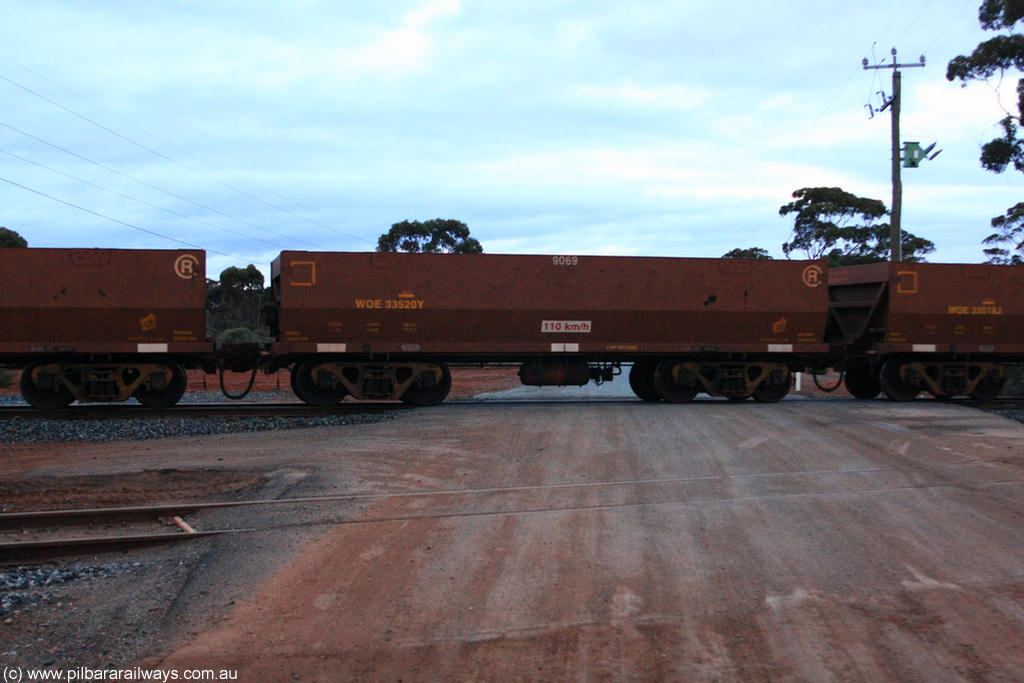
{"x": 912, "y": 22}
{"x": 952, "y": 21}
{"x": 150, "y": 185}
{"x": 118, "y": 221}
{"x": 169, "y": 159}
{"x": 140, "y": 201}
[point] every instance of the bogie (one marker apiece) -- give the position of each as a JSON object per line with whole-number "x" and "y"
{"x": 903, "y": 379}
{"x": 327, "y": 382}
{"x": 156, "y": 383}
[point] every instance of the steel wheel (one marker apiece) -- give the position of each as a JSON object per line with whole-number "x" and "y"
{"x": 641, "y": 381}
{"x": 861, "y": 381}
{"x": 769, "y": 392}
{"x": 667, "y": 387}
{"x": 307, "y": 386}
{"x": 293, "y": 373}
{"x": 425, "y": 397}
{"x": 53, "y": 393}
{"x": 169, "y": 395}
{"x": 986, "y": 390}
{"x": 894, "y": 386}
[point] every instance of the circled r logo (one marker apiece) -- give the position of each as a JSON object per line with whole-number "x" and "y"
{"x": 185, "y": 266}
{"x": 812, "y": 275}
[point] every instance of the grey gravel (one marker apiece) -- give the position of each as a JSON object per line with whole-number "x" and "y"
{"x": 36, "y": 430}
{"x": 28, "y": 430}
{"x": 191, "y": 397}
{"x": 25, "y": 586}
{"x": 1009, "y": 413}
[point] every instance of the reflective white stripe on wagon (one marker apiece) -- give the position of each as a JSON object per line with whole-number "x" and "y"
{"x": 330, "y": 348}
{"x": 923, "y": 348}
{"x": 780, "y": 348}
{"x": 565, "y": 348}
{"x": 152, "y": 348}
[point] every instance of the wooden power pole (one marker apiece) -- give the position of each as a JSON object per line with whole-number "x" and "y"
{"x": 893, "y": 103}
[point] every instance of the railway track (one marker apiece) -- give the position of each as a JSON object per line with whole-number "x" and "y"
{"x": 39, "y": 536}
{"x": 121, "y": 410}
{"x": 33, "y": 537}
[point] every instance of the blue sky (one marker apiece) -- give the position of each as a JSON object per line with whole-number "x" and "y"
{"x": 641, "y": 128}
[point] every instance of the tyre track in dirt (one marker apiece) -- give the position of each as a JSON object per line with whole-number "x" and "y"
{"x": 613, "y": 542}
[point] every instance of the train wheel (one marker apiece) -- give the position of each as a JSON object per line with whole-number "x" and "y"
{"x": 667, "y": 387}
{"x": 45, "y": 392}
{"x": 641, "y": 381}
{"x": 169, "y": 395}
{"x": 306, "y": 386}
{"x": 425, "y": 397}
{"x": 296, "y": 389}
{"x": 768, "y": 392}
{"x": 986, "y": 391}
{"x": 894, "y": 386}
{"x": 861, "y": 382}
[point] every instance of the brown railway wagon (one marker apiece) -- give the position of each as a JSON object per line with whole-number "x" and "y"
{"x": 556, "y": 314}
{"x": 942, "y": 328}
{"x": 102, "y": 324}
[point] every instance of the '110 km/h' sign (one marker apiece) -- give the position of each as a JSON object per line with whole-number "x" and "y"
{"x": 577, "y": 326}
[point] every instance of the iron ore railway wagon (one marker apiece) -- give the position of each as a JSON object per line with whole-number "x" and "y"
{"x": 388, "y": 325}
{"x": 108, "y": 324}
{"x": 946, "y": 329}
{"x": 102, "y": 324}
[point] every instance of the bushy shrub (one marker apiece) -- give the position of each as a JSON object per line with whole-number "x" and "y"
{"x": 1014, "y": 382}
{"x": 238, "y": 335}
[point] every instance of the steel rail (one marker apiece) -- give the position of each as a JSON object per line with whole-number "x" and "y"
{"x": 48, "y": 549}
{"x": 13, "y": 521}
{"x": 30, "y": 552}
{"x": 61, "y": 521}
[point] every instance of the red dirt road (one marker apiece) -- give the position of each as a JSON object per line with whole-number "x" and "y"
{"x": 803, "y": 541}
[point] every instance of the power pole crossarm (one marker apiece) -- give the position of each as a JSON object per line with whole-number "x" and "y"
{"x": 895, "y": 235}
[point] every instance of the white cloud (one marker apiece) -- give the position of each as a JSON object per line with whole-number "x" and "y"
{"x": 422, "y": 16}
{"x": 549, "y": 126}
{"x": 407, "y": 48}
{"x": 662, "y": 98}
{"x": 947, "y": 111}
